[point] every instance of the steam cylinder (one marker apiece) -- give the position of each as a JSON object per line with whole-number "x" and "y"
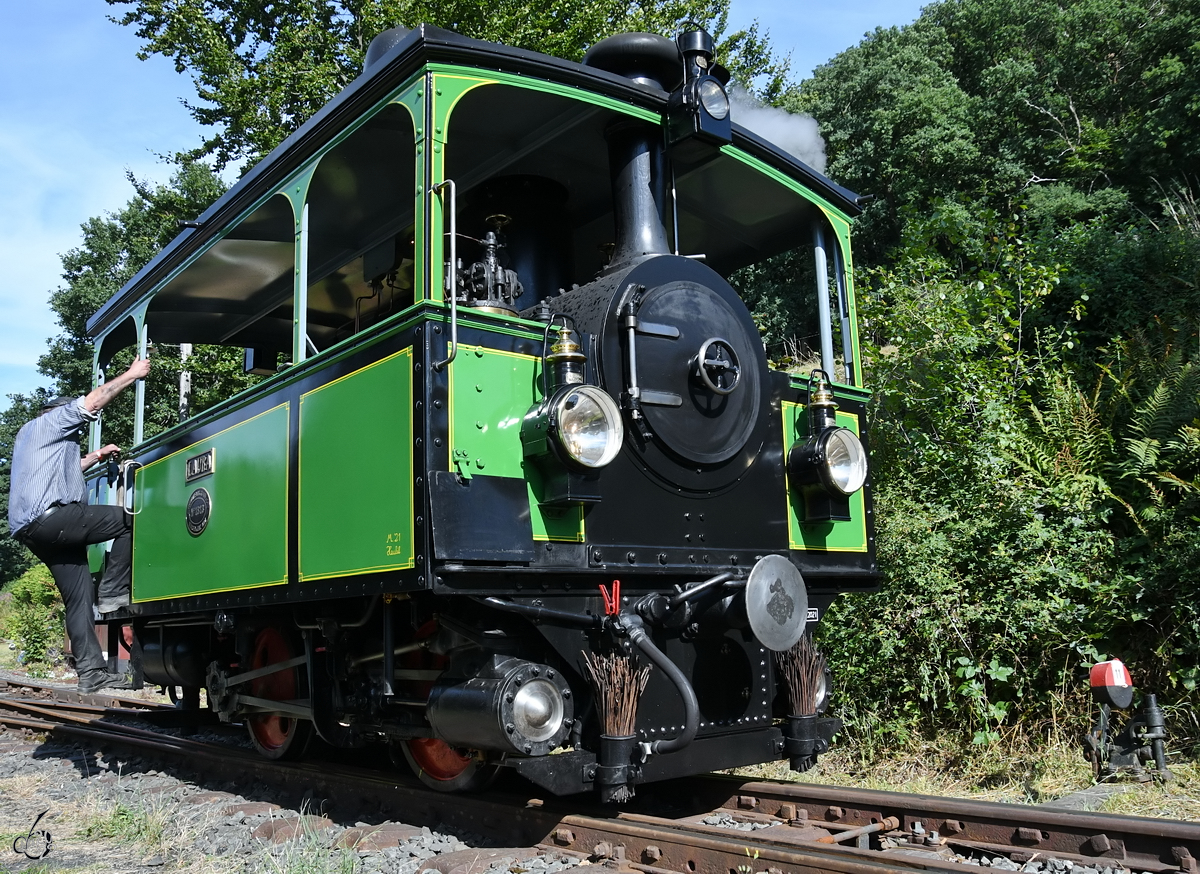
{"x": 513, "y": 705}
{"x": 177, "y": 662}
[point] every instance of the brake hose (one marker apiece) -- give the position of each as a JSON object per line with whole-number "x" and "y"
{"x": 639, "y": 637}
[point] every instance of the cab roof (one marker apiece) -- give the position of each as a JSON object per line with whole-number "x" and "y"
{"x": 425, "y": 44}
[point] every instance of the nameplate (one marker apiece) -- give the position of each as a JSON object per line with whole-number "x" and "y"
{"x": 200, "y": 465}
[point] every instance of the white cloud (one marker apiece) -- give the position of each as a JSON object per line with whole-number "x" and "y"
{"x": 68, "y": 135}
{"x": 47, "y": 194}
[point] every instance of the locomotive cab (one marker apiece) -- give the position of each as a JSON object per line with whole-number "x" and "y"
{"x": 516, "y": 475}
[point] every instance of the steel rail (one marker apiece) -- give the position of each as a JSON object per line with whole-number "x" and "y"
{"x": 798, "y": 816}
{"x": 71, "y": 695}
{"x": 98, "y": 727}
{"x": 516, "y": 819}
{"x": 969, "y": 825}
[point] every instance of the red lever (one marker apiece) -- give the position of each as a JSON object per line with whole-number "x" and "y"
{"x": 612, "y": 602}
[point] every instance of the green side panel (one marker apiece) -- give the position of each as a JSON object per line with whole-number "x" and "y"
{"x": 98, "y": 493}
{"x": 490, "y": 392}
{"x": 96, "y": 553}
{"x": 245, "y": 542}
{"x": 822, "y": 536}
{"x": 356, "y": 472}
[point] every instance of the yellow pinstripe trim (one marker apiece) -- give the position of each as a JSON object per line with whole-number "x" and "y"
{"x": 410, "y": 562}
{"x": 788, "y": 418}
{"x": 286, "y": 405}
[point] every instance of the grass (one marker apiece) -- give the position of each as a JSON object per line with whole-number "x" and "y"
{"x": 129, "y": 824}
{"x": 42, "y": 868}
{"x": 310, "y": 854}
{"x": 142, "y": 826}
{"x": 8, "y": 657}
{"x": 1013, "y": 771}
{"x": 1178, "y": 799}
{"x": 143, "y": 822}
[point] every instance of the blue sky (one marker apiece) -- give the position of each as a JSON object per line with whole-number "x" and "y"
{"x": 78, "y": 110}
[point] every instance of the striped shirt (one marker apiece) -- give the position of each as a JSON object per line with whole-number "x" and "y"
{"x": 46, "y": 463}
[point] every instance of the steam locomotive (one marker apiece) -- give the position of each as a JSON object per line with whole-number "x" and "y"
{"x": 517, "y": 487}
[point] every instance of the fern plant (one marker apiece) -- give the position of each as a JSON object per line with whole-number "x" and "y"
{"x": 1132, "y": 441}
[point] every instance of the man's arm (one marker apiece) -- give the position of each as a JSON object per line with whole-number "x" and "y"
{"x": 98, "y": 397}
{"x": 92, "y": 457}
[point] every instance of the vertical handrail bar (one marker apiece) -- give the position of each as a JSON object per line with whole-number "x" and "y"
{"x": 843, "y": 287}
{"x": 823, "y": 313}
{"x": 300, "y": 341}
{"x": 452, "y": 270}
{"x": 139, "y": 410}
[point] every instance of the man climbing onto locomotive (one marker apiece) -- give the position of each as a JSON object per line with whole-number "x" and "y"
{"x": 49, "y": 513}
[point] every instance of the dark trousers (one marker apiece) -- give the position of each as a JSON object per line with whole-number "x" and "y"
{"x": 60, "y": 540}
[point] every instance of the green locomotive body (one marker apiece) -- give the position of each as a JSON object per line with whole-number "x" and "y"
{"x": 427, "y": 500}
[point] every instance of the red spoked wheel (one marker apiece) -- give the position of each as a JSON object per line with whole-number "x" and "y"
{"x": 437, "y": 764}
{"x": 275, "y": 735}
{"x": 445, "y": 768}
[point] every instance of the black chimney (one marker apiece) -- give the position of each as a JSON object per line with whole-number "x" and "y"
{"x": 638, "y": 168}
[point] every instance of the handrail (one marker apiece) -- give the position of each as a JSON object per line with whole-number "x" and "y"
{"x": 452, "y": 270}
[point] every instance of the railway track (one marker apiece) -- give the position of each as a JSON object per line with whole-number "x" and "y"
{"x": 702, "y": 825}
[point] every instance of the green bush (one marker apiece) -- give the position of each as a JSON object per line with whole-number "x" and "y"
{"x": 1035, "y": 512}
{"x": 34, "y": 619}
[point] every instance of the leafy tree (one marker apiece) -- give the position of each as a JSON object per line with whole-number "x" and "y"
{"x": 260, "y": 70}
{"x": 113, "y": 249}
{"x": 1124, "y": 276}
{"x": 1086, "y": 90}
{"x": 991, "y": 100}
{"x": 897, "y": 124}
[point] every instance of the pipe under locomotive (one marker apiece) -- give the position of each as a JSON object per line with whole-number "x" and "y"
{"x": 666, "y": 635}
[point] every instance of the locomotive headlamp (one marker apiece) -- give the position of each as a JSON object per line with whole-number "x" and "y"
{"x": 831, "y": 464}
{"x": 712, "y": 98}
{"x": 576, "y": 429}
{"x": 835, "y": 456}
{"x": 585, "y": 425}
{"x": 698, "y": 111}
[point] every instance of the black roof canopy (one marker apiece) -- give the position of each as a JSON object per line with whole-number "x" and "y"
{"x": 424, "y": 44}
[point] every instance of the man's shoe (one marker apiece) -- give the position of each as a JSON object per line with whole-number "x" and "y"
{"x": 94, "y": 681}
{"x": 113, "y": 604}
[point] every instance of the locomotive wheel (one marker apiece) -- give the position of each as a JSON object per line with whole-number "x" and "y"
{"x": 445, "y": 768}
{"x": 437, "y": 764}
{"x": 275, "y": 735}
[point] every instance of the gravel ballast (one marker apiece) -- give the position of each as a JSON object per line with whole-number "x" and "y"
{"x": 108, "y": 810}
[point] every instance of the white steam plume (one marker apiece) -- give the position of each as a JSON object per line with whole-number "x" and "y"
{"x": 798, "y": 134}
